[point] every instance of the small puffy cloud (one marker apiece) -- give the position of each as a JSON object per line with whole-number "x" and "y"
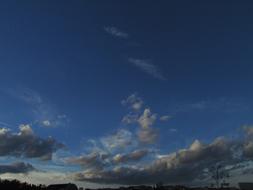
{"x": 134, "y": 102}
{"x": 130, "y": 157}
{"x": 46, "y": 123}
{"x": 129, "y": 119}
{"x": 25, "y": 130}
{"x": 116, "y": 32}
{"x": 147, "y": 67}
{"x": 147, "y": 119}
{"x": 26, "y": 144}
{"x": 16, "y": 167}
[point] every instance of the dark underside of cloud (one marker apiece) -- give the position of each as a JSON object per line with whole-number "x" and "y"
{"x": 16, "y": 167}
{"x": 184, "y": 166}
{"x": 26, "y": 144}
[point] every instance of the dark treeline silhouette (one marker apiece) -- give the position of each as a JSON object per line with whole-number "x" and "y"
{"x": 17, "y": 185}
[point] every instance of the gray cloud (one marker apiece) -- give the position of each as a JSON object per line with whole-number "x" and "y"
{"x": 132, "y": 156}
{"x": 116, "y": 32}
{"x": 183, "y": 166}
{"x": 147, "y": 136}
{"x": 147, "y": 67}
{"x": 93, "y": 160}
{"x": 26, "y": 144}
{"x": 16, "y": 167}
{"x": 145, "y": 120}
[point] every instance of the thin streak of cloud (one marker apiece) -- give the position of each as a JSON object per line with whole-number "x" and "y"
{"x": 147, "y": 67}
{"x": 116, "y": 32}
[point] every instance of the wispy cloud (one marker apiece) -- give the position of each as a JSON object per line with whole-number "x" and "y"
{"x": 116, "y": 32}
{"x": 147, "y": 67}
{"x": 223, "y": 104}
{"x": 43, "y": 112}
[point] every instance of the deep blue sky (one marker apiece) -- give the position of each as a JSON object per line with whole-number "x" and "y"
{"x": 189, "y": 60}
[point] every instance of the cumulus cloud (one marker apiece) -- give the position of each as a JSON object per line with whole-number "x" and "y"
{"x": 182, "y": 166}
{"x": 16, "y": 167}
{"x": 147, "y": 119}
{"x": 123, "y": 148}
{"x": 116, "y": 32}
{"x": 147, "y": 67}
{"x": 26, "y": 144}
{"x": 144, "y": 118}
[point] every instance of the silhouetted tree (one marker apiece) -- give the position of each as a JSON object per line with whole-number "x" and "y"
{"x": 218, "y": 174}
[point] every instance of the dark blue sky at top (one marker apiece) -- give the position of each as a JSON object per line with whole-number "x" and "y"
{"x": 61, "y": 51}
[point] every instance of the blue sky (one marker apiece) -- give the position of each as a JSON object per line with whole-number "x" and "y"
{"x": 180, "y": 73}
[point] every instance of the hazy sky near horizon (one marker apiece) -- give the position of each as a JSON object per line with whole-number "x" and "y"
{"x": 125, "y": 92}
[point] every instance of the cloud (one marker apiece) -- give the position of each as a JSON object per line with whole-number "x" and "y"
{"x": 148, "y": 136}
{"x": 147, "y": 119}
{"x": 46, "y": 123}
{"x": 93, "y": 160}
{"x": 119, "y": 140}
{"x": 124, "y": 149}
{"x": 185, "y": 166}
{"x": 116, "y": 32}
{"x": 165, "y": 117}
{"x": 129, "y": 157}
{"x": 43, "y": 112}
{"x": 16, "y": 167}
{"x": 222, "y": 104}
{"x": 134, "y": 102}
{"x": 173, "y": 130}
{"x": 182, "y": 166}
{"x": 147, "y": 67}
{"x": 144, "y": 118}
{"x": 26, "y": 144}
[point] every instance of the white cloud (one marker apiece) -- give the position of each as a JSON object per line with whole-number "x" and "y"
{"x": 134, "y": 102}
{"x": 165, "y": 117}
{"x": 147, "y": 67}
{"x": 116, "y": 32}
{"x": 119, "y": 140}
{"x": 147, "y": 119}
{"x": 132, "y": 156}
{"x": 46, "y": 123}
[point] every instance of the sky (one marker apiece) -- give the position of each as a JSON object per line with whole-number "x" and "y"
{"x": 109, "y": 93}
